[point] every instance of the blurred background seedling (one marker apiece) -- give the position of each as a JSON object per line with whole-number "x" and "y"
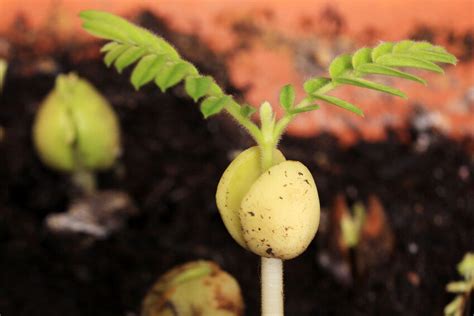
{"x": 76, "y": 132}
{"x": 461, "y": 305}
{"x": 359, "y": 239}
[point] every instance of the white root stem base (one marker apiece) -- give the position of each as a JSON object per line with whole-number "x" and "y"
{"x": 272, "y": 287}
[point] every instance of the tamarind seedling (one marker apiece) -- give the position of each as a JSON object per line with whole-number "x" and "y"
{"x": 194, "y": 288}
{"x": 75, "y": 127}
{"x": 261, "y": 191}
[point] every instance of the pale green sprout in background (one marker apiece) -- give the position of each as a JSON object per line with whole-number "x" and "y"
{"x": 76, "y": 131}
{"x": 158, "y": 61}
{"x": 351, "y": 225}
{"x": 463, "y": 289}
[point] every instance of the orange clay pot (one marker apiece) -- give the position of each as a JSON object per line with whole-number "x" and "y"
{"x": 274, "y": 42}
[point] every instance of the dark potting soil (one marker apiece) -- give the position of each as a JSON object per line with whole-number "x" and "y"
{"x": 171, "y": 163}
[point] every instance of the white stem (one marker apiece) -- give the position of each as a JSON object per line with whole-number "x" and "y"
{"x": 272, "y": 287}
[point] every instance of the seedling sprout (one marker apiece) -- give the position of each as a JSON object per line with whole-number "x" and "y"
{"x": 269, "y": 205}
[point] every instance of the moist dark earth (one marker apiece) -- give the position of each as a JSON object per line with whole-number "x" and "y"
{"x": 172, "y": 160}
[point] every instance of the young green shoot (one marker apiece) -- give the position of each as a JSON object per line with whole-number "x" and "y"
{"x": 351, "y": 225}
{"x": 459, "y": 306}
{"x": 254, "y": 195}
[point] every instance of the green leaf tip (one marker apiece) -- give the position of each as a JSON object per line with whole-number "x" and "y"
{"x": 371, "y": 85}
{"x": 146, "y": 70}
{"x": 172, "y": 73}
{"x": 303, "y": 109}
{"x": 376, "y": 69}
{"x": 340, "y": 65}
{"x": 287, "y": 97}
{"x": 197, "y": 86}
{"x": 213, "y": 105}
{"x": 247, "y": 110}
{"x": 340, "y": 103}
{"x": 312, "y": 85}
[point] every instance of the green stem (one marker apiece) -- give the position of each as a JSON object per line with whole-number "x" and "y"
{"x": 85, "y": 180}
{"x": 281, "y": 125}
{"x": 266, "y": 154}
{"x": 234, "y": 110}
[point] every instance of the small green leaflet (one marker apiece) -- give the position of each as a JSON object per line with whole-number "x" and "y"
{"x": 214, "y": 89}
{"x": 109, "y": 46}
{"x": 247, "y": 110}
{"x": 113, "y": 53}
{"x": 370, "y": 85}
{"x": 146, "y": 70}
{"x": 304, "y": 109}
{"x": 458, "y": 287}
{"x": 387, "y": 71}
{"x": 381, "y": 49}
{"x": 213, "y": 105}
{"x": 361, "y": 57}
{"x": 453, "y": 308}
{"x": 340, "y": 65}
{"x": 287, "y": 97}
{"x": 172, "y": 73}
{"x": 102, "y": 30}
{"x": 339, "y": 102}
{"x": 408, "y": 61}
{"x": 312, "y": 85}
{"x": 433, "y": 56}
{"x": 197, "y": 86}
{"x": 402, "y": 46}
{"x": 131, "y": 55}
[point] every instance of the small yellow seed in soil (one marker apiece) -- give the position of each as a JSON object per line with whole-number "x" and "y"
{"x": 195, "y": 288}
